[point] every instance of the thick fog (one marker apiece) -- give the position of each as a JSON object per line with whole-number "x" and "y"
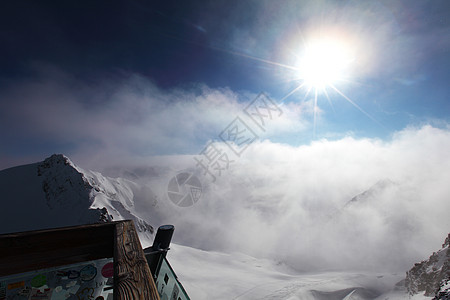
{"x": 293, "y": 203}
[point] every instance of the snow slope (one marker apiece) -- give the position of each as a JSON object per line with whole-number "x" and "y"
{"x": 215, "y": 275}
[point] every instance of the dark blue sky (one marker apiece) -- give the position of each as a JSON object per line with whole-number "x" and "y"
{"x": 175, "y": 42}
{"x": 163, "y": 40}
{"x": 76, "y": 47}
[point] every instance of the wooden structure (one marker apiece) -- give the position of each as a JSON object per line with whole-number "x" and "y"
{"x": 43, "y": 249}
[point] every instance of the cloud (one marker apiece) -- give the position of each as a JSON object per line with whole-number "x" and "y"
{"x": 123, "y": 119}
{"x": 290, "y": 203}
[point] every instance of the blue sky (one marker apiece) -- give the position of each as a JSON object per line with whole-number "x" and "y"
{"x": 69, "y": 72}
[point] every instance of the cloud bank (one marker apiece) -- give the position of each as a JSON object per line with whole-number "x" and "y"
{"x": 118, "y": 120}
{"x": 292, "y": 203}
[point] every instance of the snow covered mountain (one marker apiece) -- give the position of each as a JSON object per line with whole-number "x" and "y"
{"x": 431, "y": 276}
{"x": 56, "y": 193}
{"x": 372, "y": 192}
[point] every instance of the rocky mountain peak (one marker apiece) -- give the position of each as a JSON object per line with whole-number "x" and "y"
{"x": 446, "y": 242}
{"x": 431, "y": 276}
{"x": 63, "y": 183}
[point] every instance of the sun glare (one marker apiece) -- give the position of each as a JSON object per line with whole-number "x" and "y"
{"x": 323, "y": 62}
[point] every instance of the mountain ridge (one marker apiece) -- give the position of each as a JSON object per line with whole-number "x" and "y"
{"x": 64, "y": 195}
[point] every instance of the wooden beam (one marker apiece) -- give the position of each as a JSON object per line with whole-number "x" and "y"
{"x": 41, "y": 249}
{"x": 132, "y": 276}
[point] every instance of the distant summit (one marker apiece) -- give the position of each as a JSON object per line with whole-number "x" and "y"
{"x": 56, "y": 193}
{"x": 431, "y": 276}
{"x": 375, "y": 189}
{"x": 65, "y": 186}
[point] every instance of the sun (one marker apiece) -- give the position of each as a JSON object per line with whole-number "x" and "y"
{"x": 323, "y": 62}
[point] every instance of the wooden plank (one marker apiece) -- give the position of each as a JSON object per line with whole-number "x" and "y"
{"x": 33, "y": 250}
{"x": 132, "y": 276}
